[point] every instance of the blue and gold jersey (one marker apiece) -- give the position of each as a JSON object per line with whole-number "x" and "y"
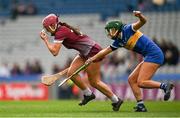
{"x": 128, "y": 39}
{"x": 138, "y": 42}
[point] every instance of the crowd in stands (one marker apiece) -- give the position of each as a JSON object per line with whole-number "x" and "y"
{"x": 170, "y": 50}
{"x": 30, "y": 68}
{"x": 19, "y": 8}
{"x": 23, "y": 7}
{"x": 146, "y": 5}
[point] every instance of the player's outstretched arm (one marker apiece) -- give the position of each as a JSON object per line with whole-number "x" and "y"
{"x": 53, "y": 48}
{"x": 99, "y": 55}
{"x": 142, "y": 20}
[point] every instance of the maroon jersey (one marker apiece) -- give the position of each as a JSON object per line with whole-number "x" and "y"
{"x": 82, "y": 43}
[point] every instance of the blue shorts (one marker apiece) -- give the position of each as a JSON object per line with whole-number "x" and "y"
{"x": 151, "y": 52}
{"x": 155, "y": 56}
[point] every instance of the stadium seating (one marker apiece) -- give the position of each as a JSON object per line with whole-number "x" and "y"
{"x": 104, "y": 7}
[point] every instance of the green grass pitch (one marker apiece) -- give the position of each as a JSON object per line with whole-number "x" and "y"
{"x": 70, "y": 108}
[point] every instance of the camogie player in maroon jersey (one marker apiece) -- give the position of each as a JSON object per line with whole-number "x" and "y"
{"x": 71, "y": 38}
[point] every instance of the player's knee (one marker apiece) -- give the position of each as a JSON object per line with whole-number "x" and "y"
{"x": 140, "y": 84}
{"x": 94, "y": 83}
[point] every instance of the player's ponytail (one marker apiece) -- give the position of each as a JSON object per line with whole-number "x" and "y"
{"x": 75, "y": 30}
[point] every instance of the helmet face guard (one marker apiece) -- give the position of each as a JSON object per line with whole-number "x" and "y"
{"x": 53, "y": 29}
{"x": 112, "y": 33}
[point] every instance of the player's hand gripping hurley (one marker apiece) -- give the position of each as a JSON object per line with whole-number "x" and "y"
{"x": 76, "y": 72}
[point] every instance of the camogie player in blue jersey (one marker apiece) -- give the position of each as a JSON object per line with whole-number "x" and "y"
{"x": 128, "y": 36}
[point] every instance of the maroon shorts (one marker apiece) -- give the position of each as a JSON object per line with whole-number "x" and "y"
{"x": 94, "y": 50}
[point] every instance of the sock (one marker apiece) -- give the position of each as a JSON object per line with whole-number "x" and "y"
{"x": 163, "y": 86}
{"x": 140, "y": 102}
{"x": 114, "y": 99}
{"x": 87, "y": 92}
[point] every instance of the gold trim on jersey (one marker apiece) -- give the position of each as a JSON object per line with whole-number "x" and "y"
{"x": 133, "y": 40}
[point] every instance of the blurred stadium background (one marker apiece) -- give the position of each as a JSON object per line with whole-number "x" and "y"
{"x": 24, "y": 57}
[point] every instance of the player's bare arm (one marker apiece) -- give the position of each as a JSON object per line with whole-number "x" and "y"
{"x": 53, "y": 48}
{"x": 142, "y": 20}
{"x": 100, "y": 55}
